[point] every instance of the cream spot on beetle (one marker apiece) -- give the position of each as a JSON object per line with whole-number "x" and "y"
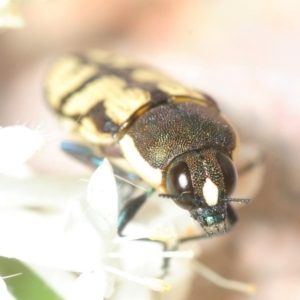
{"x": 210, "y": 192}
{"x": 67, "y": 74}
{"x": 138, "y": 163}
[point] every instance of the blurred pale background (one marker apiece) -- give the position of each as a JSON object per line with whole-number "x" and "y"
{"x": 243, "y": 53}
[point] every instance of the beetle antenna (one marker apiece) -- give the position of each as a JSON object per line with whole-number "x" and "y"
{"x": 169, "y": 196}
{"x": 240, "y": 200}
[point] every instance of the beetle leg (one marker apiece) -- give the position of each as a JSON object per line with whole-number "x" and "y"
{"x": 231, "y": 217}
{"x": 85, "y": 155}
{"x": 126, "y": 215}
{"x": 131, "y": 208}
{"x": 82, "y": 153}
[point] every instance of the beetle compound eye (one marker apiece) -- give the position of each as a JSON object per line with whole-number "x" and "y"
{"x": 229, "y": 172}
{"x": 179, "y": 183}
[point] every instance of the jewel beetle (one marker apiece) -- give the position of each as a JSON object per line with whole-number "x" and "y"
{"x": 173, "y": 137}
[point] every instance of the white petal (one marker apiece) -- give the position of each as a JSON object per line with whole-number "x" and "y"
{"x": 3, "y": 289}
{"x": 49, "y": 193}
{"x": 86, "y": 238}
{"x": 9, "y": 16}
{"x": 92, "y": 222}
{"x": 4, "y": 295}
{"x": 102, "y": 193}
{"x": 89, "y": 285}
{"x": 130, "y": 290}
{"x": 76, "y": 243}
{"x": 18, "y": 144}
{"x": 4, "y": 3}
{"x": 30, "y": 236}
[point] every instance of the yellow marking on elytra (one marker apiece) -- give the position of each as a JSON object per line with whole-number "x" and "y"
{"x": 149, "y": 174}
{"x": 67, "y": 74}
{"x": 89, "y": 131}
{"x": 210, "y": 192}
{"x": 119, "y": 102}
{"x": 122, "y": 62}
{"x": 106, "y": 58}
{"x": 147, "y": 75}
{"x": 175, "y": 89}
{"x": 82, "y": 101}
{"x": 99, "y": 56}
{"x": 164, "y": 83}
{"x": 89, "y": 125}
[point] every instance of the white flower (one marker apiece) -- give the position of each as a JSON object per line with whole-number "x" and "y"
{"x": 4, "y": 295}
{"x": 38, "y": 225}
{"x": 18, "y": 144}
{"x": 9, "y": 14}
{"x": 89, "y": 234}
{"x": 78, "y": 240}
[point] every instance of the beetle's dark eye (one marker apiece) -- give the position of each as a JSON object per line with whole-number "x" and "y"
{"x": 179, "y": 183}
{"x": 229, "y": 172}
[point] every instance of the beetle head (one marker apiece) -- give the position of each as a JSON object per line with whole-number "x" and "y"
{"x": 201, "y": 181}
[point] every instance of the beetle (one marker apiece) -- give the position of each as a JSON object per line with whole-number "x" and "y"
{"x": 173, "y": 137}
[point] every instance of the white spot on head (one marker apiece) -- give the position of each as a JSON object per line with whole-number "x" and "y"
{"x": 210, "y": 192}
{"x": 183, "y": 180}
